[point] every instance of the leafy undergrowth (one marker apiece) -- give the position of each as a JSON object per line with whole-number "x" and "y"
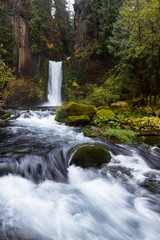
{"x": 134, "y": 123}
{"x": 115, "y": 135}
{"x": 119, "y": 135}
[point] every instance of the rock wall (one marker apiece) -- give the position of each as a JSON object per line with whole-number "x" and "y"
{"x": 80, "y": 23}
{"x": 84, "y": 33}
{"x": 28, "y": 64}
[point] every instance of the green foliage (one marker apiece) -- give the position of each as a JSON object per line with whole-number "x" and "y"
{"x": 120, "y": 136}
{"x": 105, "y": 94}
{"x": 40, "y": 14}
{"x": 4, "y": 114}
{"x": 144, "y": 124}
{"x": 92, "y": 48}
{"x": 66, "y": 25}
{"x": 135, "y": 42}
{"x": 103, "y": 15}
{"x": 6, "y": 34}
{"x": 6, "y": 74}
{"x": 7, "y": 114}
{"x": 23, "y": 92}
{"x": 68, "y": 75}
{"x": 90, "y": 131}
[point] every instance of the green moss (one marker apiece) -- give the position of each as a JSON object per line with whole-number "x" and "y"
{"x": 60, "y": 114}
{"x": 90, "y": 156}
{"x": 5, "y": 114}
{"x": 74, "y": 109}
{"x": 90, "y": 131}
{"x": 78, "y": 120}
{"x": 120, "y": 136}
{"x": 102, "y": 116}
{"x": 105, "y": 112}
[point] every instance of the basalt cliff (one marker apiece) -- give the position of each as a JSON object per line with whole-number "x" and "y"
{"x": 29, "y": 64}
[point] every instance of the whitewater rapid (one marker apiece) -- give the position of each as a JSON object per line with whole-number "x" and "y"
{"x": 63, "y": 202}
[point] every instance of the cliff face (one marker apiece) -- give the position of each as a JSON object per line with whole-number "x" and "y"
{"x": 28, "y": 64}
{"x": 83, "y": 32}
{"x": 81, "y": 13}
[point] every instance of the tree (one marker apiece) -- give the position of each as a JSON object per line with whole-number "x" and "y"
{"x": 6, "y": 73}
{"x": 140, "y": 47}
{"x": 40, "y": 14}
{"x": 101, "y": 20}
{"x": 6, "y": 34}
{"x": 66, "y": 25}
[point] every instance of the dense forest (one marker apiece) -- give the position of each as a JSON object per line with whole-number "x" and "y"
{"x": 114, "y": 47}
{"x": 31, "y": 33}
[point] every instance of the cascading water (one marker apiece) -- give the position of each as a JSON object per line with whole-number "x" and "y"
{"x": 43, "y": 198}
{"x": 54, "y": 83}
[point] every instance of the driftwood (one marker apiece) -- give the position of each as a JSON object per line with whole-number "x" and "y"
{"x": 12, "y": 118}
{"x": 148, "y": 134}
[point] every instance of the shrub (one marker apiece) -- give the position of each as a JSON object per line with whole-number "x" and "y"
{"x": 120, "y": 136}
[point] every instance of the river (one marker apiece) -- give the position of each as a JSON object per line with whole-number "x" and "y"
{"x": 42, "y": 197}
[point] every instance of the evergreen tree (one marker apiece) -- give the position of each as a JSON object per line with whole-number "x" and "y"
{"x": 101, "y": 20}
{"x": 6, "y": 34}
{"x": 66, "y": 25}
{"x": 40, "y": 14}
{"x": 138, "y": 44}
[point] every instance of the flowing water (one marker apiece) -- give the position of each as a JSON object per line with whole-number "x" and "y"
{"x": 54, "y": 83}
{"x": 42, "y": 197}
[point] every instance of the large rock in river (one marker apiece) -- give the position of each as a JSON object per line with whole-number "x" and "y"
{"x": 78, "y": 120}
{"x": 68, "y": 110}
{"x": 90, "y": 156}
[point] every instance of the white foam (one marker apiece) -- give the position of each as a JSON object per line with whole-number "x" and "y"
{"x": 88, "y": 208}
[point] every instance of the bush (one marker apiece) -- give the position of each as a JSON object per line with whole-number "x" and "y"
{"x": 120, "y": 136}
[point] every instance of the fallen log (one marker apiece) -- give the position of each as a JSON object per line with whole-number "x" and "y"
{"x": 12, "y": 118}
{"x": 149, "y": 134}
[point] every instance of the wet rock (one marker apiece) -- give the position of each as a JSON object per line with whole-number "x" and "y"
{"x": 7, "y": 168}
{"x": 32, "y": 167}
{"x": 151, "y": 185}
{"x": 90, "y": 156}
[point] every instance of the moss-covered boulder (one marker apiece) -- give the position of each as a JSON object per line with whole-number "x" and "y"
{"x": 104, "y": 113}
{"x": 102, "y": 116}
{"x": 23, "y": 92}
{"x": 78, "y": 120}
{"x": 68, "y": 110}
{"x": 90, "y": 156}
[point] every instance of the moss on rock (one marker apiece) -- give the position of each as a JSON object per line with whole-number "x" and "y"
{"x": 90, "y": 131}
{"x": 78, "y": 120}
{"x": 90, "y": 156}
{"x": 102, "y": 116}
{"x": 104, "y": 113}
{"x": 23, "y": 92}
{"x": 74, "y": 109}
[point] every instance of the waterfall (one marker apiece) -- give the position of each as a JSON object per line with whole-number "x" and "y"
{"x": 54, "y": 83}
